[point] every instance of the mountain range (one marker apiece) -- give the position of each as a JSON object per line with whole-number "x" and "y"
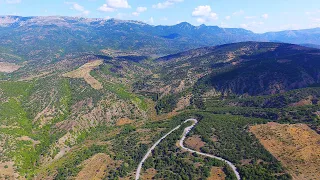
{"x": 30, "y": 37}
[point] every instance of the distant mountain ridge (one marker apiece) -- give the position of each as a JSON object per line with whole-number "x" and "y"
{"x": 31, "y": 38}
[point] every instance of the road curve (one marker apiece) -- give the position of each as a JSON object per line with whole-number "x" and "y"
{"x": 185, "y": 133}
{"x": 150, "y": 151}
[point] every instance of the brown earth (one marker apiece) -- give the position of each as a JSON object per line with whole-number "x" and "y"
{"x": 8, "y": 67}
{"x": 303, "y": 102}
{"x": 97, "y": 167}
{"x": 231, "y": 56}
{"x": 123, "y": 121}
{"x": 183, "y": 103}
{"x": 149, "y": 174}
{"x": 217, "y": 173}
{"x": 195, "y": 142}
{"x": 84, "y": 72}
{"x": 8, "y": 172}
{"x": 296, "y": 146}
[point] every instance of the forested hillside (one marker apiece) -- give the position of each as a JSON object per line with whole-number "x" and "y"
{"x": 95, "y": 115}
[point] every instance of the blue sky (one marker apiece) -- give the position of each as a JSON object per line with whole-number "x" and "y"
{"x": 256, "y": 15}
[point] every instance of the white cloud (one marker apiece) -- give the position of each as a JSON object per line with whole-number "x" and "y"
{"x": 166, "y": 4}
{"x": 201, "y": 20}
{"x": 204, "y": 14}
{"x": 265, "y": 16}
{"x": 78, "y": 7}
{"x": 13, "y": 1}
{"x": 237, "y": 13}
{"x": 252, "y": 25}
{"x": 113, "y": 5}
{"x": 228, "y": 17}
{"x": 118, "y": 4}
{"x": 135, "y": 13}
{"x": 106, "y": 8}
{"x": 139, "y": 11}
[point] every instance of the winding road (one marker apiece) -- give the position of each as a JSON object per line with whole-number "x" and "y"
{"x": 185, "y": 133}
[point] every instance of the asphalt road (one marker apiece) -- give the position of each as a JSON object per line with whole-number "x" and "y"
{"x": 185, "y": 133}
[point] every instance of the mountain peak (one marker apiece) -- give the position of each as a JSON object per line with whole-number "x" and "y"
{"x": 119, "y": 21}
{"x": 185, "y": 25}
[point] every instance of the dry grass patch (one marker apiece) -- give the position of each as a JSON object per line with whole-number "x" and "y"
{"x": 217, "y": 173}
{"x": 97, "y": 167}
{"x": 84, "y": 73}
{"x": 296, "y": 146}
{"x": 8, "y": 67}
{"x": 195, "y": 142}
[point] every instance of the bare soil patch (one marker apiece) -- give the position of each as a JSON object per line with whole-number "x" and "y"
{"x": 296, "y": 146}
{"x": 195, "y": 143}
{"x": 303, "y": 102}
{"x": 8, "y": 172}
{"x": 8, "y": 67}
{"x": 123, "y": 121}
{"x": 217, "y": 173}
{"x": 84, "y": 73}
